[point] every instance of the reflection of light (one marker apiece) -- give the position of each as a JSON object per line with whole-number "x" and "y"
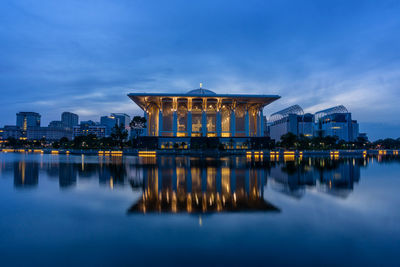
{"x": 200, "y": 221}
{"x": 174, "y": 202}
{"x": 83, "y": 162}
{"x": 111, "y": 183}
{"x": 189, "y": 202}
{"x": 147, "y": 153}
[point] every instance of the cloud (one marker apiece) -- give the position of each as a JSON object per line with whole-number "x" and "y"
{"x": 86, "y": 56}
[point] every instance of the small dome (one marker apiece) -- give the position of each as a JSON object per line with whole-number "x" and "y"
{"x": 200, "y": 91}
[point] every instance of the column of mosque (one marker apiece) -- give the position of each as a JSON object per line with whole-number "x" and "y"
{"x": 146, "y": 116}
{"x": 160, "y": 119}
{"x": 233, "y": 120}
{"x": 218, "y": 119}
{"x": 175, "y": 117}
{"x": 246, "y": 122}
{"x": 204, "y": 118}
{"x": 189, "y": 117}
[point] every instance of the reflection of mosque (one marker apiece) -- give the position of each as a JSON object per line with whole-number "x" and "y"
{"x": 189, "y": 184}
{"x": 184, "y": 184}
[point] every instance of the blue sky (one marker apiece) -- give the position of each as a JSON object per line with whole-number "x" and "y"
{"x": 85, "y": 56}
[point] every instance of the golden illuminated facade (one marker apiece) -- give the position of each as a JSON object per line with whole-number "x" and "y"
{"x": 203, "y": 113}
{"x": 182, "y": 184}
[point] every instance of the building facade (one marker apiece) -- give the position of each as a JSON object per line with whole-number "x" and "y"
{"x": 290, "y": 120}
{"x": 48, "y": 133}
{"x": 109, "y": 122}
{"x": 85, "y": 129}
{"x": 69, "y": 119}
{"x": 10, "y": 131}
{"x": 203, "y": 113}
{"x": 335, "y": 121}
{"x": 27, "y": 119}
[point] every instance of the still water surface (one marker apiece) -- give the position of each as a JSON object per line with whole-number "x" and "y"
{"x": 89, "y": 210}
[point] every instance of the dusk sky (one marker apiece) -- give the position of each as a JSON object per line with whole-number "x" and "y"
{"x": 86, "y": 56}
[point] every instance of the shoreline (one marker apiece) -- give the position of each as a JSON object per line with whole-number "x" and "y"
{"x": 211, "y": 153}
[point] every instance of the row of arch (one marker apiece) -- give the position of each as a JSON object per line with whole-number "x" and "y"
{"x": 203, "y": 117}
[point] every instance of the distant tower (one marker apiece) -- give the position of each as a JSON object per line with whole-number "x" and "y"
{"x": 28, "y": 119}
{"x": 69, "y": 119}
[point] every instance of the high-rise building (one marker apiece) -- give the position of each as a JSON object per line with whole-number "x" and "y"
{"x": 122, "y": 118}
{"x": 69, "y": 119}
{"x": 109, "y": 122}
{"x": 57, "y": 124}
{"x": 28, "y": 119}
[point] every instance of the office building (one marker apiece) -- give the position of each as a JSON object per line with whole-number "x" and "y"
{"x": 87, "y": 128}
{"x": 290, "y": 120}
{"x": 336, "y": 121}
{"x": 48, "y": 133}
{"x": 27, "y": 119}
{"x": 109, "y": 122}
{"x": 69, "y": 119}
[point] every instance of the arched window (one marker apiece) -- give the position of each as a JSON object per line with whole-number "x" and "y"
{"x": 197, "y": 108}
{"x": 167, "y": 115}
{"x": 240, "y": 114}
{"x": 211, "y": 117}
{"x": 225, "y": 120}
{"x": 182, "y": 117}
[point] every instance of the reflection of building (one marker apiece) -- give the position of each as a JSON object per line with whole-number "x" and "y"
{"x": 290, "y": 179}
{"x": 203, "y": 113}
{"x": 290, "y": 120}
{"x": 329, "y": 176}
{"x": 185, "y": 185}
{"x": 26, "y": 173}
{"x": 67, "y": 174}
{"x": 339, "y": 181}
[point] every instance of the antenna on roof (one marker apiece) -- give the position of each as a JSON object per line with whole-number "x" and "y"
{"x": 201, "y": 85}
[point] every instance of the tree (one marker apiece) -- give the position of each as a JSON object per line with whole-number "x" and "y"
{"x": 138, "y": 124}
{"x": 288, "y": 140}
{"x": 64, "y": 142}
{"x": 119, "y": 134}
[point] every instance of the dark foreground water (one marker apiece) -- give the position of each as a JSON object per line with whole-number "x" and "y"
{"x": 85, "y": 210}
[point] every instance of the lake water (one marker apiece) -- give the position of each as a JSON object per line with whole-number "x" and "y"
{"x": 87, "y": 210}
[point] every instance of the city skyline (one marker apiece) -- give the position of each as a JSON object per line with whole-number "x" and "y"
{"x": 86, "y": 58}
